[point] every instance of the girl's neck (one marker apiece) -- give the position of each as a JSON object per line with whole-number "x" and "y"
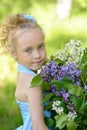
{"x": 22, "y": 68}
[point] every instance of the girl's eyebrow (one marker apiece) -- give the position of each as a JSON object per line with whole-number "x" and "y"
{"x": 28, "y": 47}
{"x": 31, "y": 47}
{"x": 43, "y": 42}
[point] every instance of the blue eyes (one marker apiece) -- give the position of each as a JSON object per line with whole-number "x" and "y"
{"x": 41, "y": 46}
{"x": 29, "y": 50}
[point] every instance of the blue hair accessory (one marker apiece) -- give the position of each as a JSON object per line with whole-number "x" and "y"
{"x": 30, "y": 17}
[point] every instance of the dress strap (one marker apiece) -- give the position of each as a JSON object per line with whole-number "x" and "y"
{"x": 24, "y": 69}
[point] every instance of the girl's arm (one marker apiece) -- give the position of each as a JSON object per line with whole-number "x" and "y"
{"x": 34, "y": 96}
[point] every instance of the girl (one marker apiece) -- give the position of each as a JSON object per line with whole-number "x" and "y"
{"x": 24, "y": 39}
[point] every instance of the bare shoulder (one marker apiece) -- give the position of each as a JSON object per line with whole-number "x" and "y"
{"x": 23, "y": 85}
{"x": 24, "y": 77}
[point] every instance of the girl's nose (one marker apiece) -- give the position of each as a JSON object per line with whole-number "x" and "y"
{"x": 37, "y": 54}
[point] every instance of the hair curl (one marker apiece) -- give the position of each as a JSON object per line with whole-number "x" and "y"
{"x": 13, "y": 23}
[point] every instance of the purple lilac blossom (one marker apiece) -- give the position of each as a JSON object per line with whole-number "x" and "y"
{"x": 86, "y": 101}
{"x": 50, "y": 71}
{"x": 65, "y": 70}
{"x": 54, "y": 90}
{"x": 73, "y": 72}
{"x": 53, "y": 71}
{"x": 70, "y": 107}
{"x": 85, "y": 87}
{"x": 65, "y": 94}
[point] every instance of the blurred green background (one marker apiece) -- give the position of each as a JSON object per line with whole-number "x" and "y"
{"x": 58, "y": 31}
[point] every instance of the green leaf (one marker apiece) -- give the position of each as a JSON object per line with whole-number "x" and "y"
{"x": 48, "y": 106}
{"x": 67, "y": 84}
{"x": 62, "y": 83}
{"x": 73, "y": 98}
{"x": 84, "y": 57}
{"x": 66, "y": 80}
{"x": 59, "y": 84}
{"x": 74, "y": 89}
{"x": 71, "y": 125}
{"x": 59, "y": 61}
{"x": 61, "y": 120}
{"x": 79, "y": 102}
{"x": 85, "y": 120}
{"x": 46, "y": 85}
{"x": 47, "y": 97}
{"x": 51, "y": 57}
{"x": 49, "y": 122}
{"x": 83, "y": 105}
{"x": 36, "y": 81}
{"x": 84, "y": 70}
{"x": 83, "y": 108}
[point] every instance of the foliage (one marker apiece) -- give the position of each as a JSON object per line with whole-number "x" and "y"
{"x": 64, "y": 83}
{"x": 10, "y": 117}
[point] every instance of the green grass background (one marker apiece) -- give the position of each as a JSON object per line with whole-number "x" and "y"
{"x": 57, "y": 33}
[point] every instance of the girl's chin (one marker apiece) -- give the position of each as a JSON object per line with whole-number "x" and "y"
{"x": 36, "y": 68}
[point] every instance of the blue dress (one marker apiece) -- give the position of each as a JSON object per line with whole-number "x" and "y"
{"x": 24, "y": 106}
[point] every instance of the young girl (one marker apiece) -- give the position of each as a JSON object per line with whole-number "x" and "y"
{"x": 24, "y": 39}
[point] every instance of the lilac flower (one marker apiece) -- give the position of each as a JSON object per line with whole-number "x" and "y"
{"x": 54, "y": 90}
{"x": 70, "y": 107}
{"x": 47, "y": 79}
{"x": 86, "y": 101}
{"x": 61, "y": 73}
{"x": 50, "y": 71}
{"x": 64, "y": 94}
{"x": 85, "y": 87}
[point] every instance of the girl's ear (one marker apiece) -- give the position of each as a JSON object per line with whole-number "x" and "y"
{"x": 12, "y": 52}
{"x": 14, "y": 55}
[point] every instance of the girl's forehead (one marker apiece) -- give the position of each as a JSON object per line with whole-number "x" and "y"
{"x": 30, "y": 36}
{"x": 21, "y": 32}
{"x": 15, "y": 35}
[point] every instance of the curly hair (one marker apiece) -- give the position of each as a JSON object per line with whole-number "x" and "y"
{"x": 13, "y": 23}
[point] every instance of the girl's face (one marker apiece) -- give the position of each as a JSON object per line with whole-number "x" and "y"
{"x": 30, "y": 48}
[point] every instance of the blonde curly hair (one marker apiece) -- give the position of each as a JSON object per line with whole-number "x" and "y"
{"x": 12, "y": 24}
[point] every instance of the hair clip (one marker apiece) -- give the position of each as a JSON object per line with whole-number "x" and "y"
{"x": 30, "y": 17}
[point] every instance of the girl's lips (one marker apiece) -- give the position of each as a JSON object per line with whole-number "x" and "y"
{"x": 38, "y": 62}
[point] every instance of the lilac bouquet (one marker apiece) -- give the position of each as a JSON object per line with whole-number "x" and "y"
{"x": 64, "y": 82}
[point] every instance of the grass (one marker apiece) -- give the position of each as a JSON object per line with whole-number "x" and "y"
{"x": 9, "y": 112}
{"x": 57, "y": 34}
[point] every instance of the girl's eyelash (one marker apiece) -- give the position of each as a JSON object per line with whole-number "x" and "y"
{"x": 28, "y": 50}
{"x": 42, "y": 45}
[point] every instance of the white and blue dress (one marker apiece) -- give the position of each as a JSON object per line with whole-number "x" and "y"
{"x": 24, "y": 106}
